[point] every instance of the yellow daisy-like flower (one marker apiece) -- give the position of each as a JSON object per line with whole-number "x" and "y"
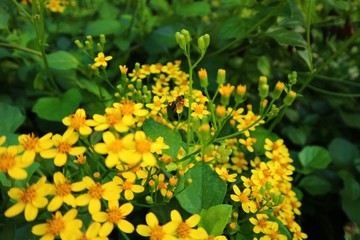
{"x": 13, "y": 164}
{"x": 117, "y": 149}
{"x": 185, "y": 229}
{"x": 224, "y": 174}
{"x": 143, "y": 149}
{"x": 158, "y": 146}
{"x": 115, "y": 215}
{"x": 62, "y": 193}
{"x": 273, "y": 232}
{"x": 96, "y": 191}
{"x": 64, "y": 146}
{"x": 66, "y": 227}
{"x": 157, "y": 104}
{"x": 248, "y": 143}
{"x": 92, "y": 233}
{"x": 154, "y": 231}
{"x": 199, "y": 110}
{"x": 128, "y": 185}
{"x": 112, "y": 118}
{"x": 226, "y": 90}
{"x": 32, "y": 145}
{"x": 30, "y": 199}
{"x": 101, "y": 60}
{"x": 78, "y": 122}
{"x": 243, "y": 197}
{"x": 260, "y": 223}
{"x": 239, "y": 163}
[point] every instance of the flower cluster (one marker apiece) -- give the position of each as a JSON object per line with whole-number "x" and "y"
{"x": 146, "y": 157}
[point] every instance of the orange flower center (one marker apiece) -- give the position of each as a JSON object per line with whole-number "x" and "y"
{"x": 243, "y": 198}
{"x": 28, "y": 194}
{"x": 77, "y": 121}
{"x": 183, "y": 230}
{"x": 30, "y": 142}
{"x": 262, "y": 223}
{"x": 157, "y": 233}
{"x": 116, "y": 146}
{"x": 143, "y": 146}
{"x": 128, "y": 107}
{"x": 115, "y": 216}
{"x": 55, "y": 226}
{"x": 127, "y": 185}
{"x": 64, "y": 147}
{"x": 198, "y": 109}
{"x": 7, "y": 161}
{"x": 63, "y": 189}
{"x": 96, "y": 191}
{"x": 112, "y": 118}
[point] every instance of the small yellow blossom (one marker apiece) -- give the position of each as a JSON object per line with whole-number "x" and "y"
{"x": 226, "y": 90}
{"x": 260, "y": 223}
{"x": 199, "y": 110}
{"x": 243, "y": 197}
{"x": 128, "y": 186}
{"x": 154, "y": 231}
{"x": 224, "y": 174}
{"x": 78, "y": 122}
{"x": 12, "y": 163}
{"x": 32, "y": 145}
{"x": 30, "y": 199}
{"x": 185, "y": 229}
{"x": 101, "y": 60}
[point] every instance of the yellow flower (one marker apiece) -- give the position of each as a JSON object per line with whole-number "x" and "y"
{"x": 199, "y": 110}
{"x": 117, "y": 149}
{"x": 112, "y": 118}
{"x": 128, "y": 185}
{"x": 224, "y": 174}
{"x": 78, "y": 122}
{"x": 30, "y": 199}
{"x": 239, "y": 162}
{"x": 154, "y": 230}
{"x": 273, "y": 232}
{"x": 66, "y": 227}
{"x": 62, "y": 193}
{"x": 157, "y": 104}
{"x": 261, "y": 222}
{"x": 12, "y": 164}
{"x": 96, "y": 191}
{"x": 158, "y": 146}
{"x": 101, "y": 60}
{"x": 115, "y": 215}
{"x": 246, "y": 204}
{"x": 143, "y": 146}
{"x": 248, "y": 143}
{"x": 32, "y": 145}
{"x": 226, "y": 90}
{"x": 64, "y": 146}
{"x": 184, "y": 229}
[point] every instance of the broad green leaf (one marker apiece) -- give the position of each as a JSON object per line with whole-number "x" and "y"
{"x": 263, "y": 65}
{"x": 160, "y": 40}
{"x": 286, "y": 37}
{"x": 11, "y": 117}
{"x": 350, "y": 207}
{"x": 6, "y": 182}
{"x": 315, "y": 185}
{"x": 233, "y": 27}
{"x": 342, "y": 152}
{"x": 215, "y": 219}
{"x": 4, "y": 18}
{"x": 106, "y": 27}
{"x": 351, "y": 119}
{"x": 62, "y": 60}
{"x": 314, "y": 157}
{"x": 205, "y": 190}
{"x": 296, "y": 135}
{"x": 304, "y": 55}
{"x": 193, "y": 9}
{"x": 155, "y": 129}
{"x": 351, "y": 185}
{"x": 101, "y": 92}
{"x": 56, "y": 108}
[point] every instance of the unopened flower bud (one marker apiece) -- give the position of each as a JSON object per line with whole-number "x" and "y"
{"x": 290, "y": 97}
{"x": 264, "y": 91}
{"x": 149, "y": 200}
{"x": 186, "y": 34}
{"x": 279, "y": 87}
{"x": 79, "y": 44}
{"x": 204, "y": 82}
{"x": 220, "y": 111}
{"x": 240, "y": 93}
{"x": 206, "y": 40}
{"x": 102, "y": 39}
{"x": 180, "y": 39}
{"x": 221, "y": 75}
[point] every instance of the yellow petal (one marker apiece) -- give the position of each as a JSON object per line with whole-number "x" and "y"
{"x": 83, "y": 199}
{"x": 70, "y": 200}
{"x": 111, "y": 160}
{"x": 143, "y": 230}
{"x": 126, "y": 209}
{"x": 15, "y": 193}
{"x": 129, "y": 195}
{"x": 125, "y": 226}
{"x": 99, "y": 216}
{"x": 94, "y": 205}
{"x": 39, "y": 229}
{"x": 50, "y": 153}
{"x": 31, "y": 212}
{"x": 106, "y": 229}
{"x": 151, "y": 220}
{"x": 75, "y": 151}
{"x": 17, "y": 173}
{"x": 137, "y": 188}
{"x": 193, "y": 220}
{"x": 59, "y": 178}
{"x": 71, "y": 214}
{"x": 101, "y": 148}
{"x": 175, "y": 216}
{"x": 15, "y": 209}
{"x": 108, "y": 137}
{"x": 40, "y": 202}
{"x": 92, "y": 230}
{"x": 60, "y": 159}
{"x": 55, "y": 204}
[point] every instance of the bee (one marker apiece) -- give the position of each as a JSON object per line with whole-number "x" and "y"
{"x": 178, "y": 104}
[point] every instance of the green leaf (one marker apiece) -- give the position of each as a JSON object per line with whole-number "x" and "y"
{"x": 56, "y": 108}
{"x": 351, "y": 186}
{"x": 263, "y": 64}
{"x": 155, "y": 129}
{"x": 205, "y": 190}
{"x": 160, "y": 40}
{"x": 296, "y": 135}
{"x": 62, "y": 60}
{"x": 93, "y": 88}
{"x": 314, "y": 157}
{"x": 215, "y": 219}
{"x": 7, "y": 229}
{"x": 233, "y": 27}
{"x": 11, "y": 117}
{"x": 342, "y": 152}
{"x": 304, "y": 55}
{"x": 286, "y": 37}
{"x": 193, "y": 9}
{"x": 351, "y": 119}
{"x": 6, "y": 182}
{"x": 351, "y": 207}
{"x": 261, "y": 134}
{"x": 315, "y": 185}
{"x": 106, "y": 27}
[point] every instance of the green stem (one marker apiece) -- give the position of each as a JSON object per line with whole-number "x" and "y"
{"x": 337, "y": 94}
{"x": 28, "y": 50}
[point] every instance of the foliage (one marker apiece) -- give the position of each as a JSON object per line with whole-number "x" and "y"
{"x": 47, "y": 77}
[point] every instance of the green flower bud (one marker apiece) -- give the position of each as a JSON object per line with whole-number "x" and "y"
{"x": 79, "y": 44}
{"x": 279, "y": 87}
{"x": 264, "y": 91}
{"x": 201, "y": 44}
{"x": 186, "y": 34}
{"x": 290, "y": 97}
{"x": 203, "y": 78}
{"x": 149, "y": 199}
{"x": 206, "y": 40}
{"x": 102, "y": 39}
{"x": 221, "y": 75}
{"x": 180, "y": 39}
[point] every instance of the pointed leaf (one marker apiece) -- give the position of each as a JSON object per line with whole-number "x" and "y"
{"x": 11, "y": 117}
{"x": 62, "y": 60}
{"x": 215, "y": 219}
